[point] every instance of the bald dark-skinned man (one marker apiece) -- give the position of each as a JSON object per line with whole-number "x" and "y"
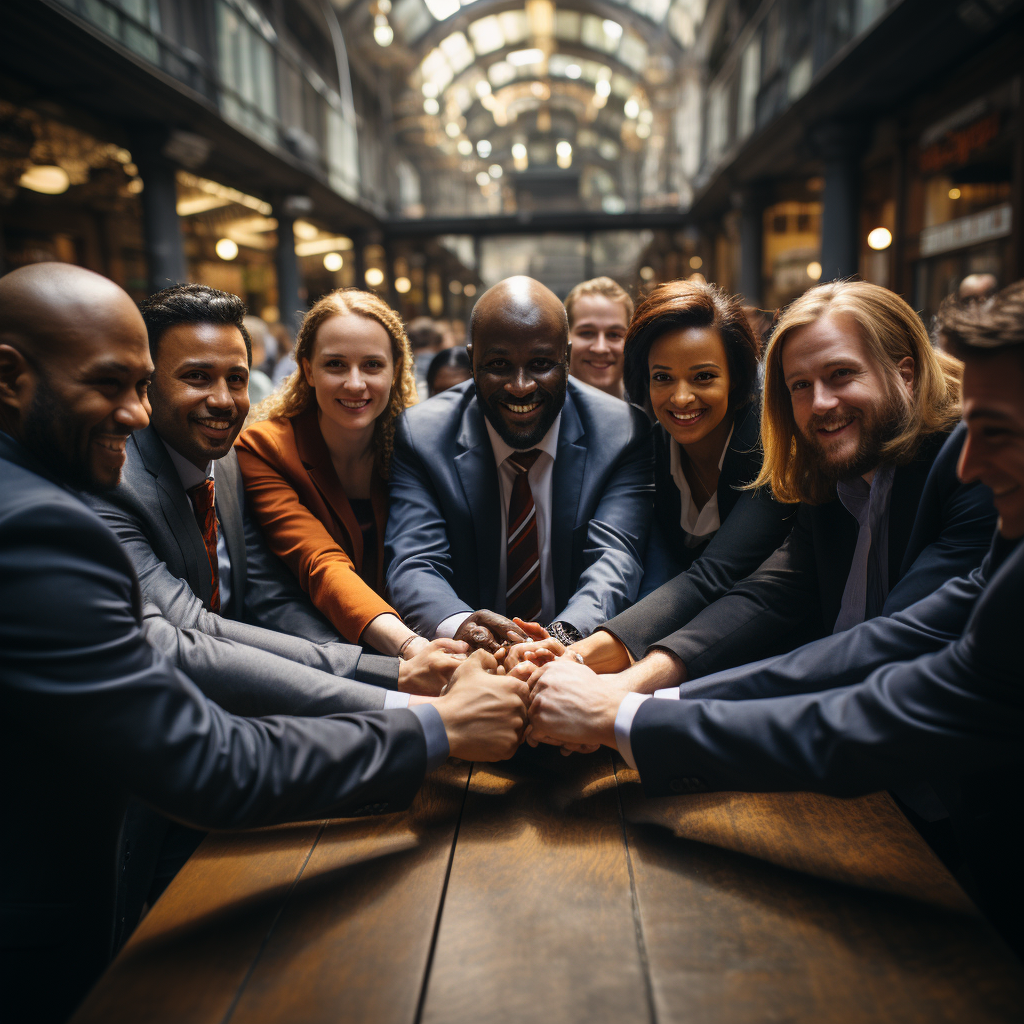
{"x": 521, "y": 494}
{"x": 92, "y": 714}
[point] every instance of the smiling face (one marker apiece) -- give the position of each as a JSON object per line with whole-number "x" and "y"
{"x": 86, "y": 403}
{"x": 521, "y": 382}
{"x": 351, "y": 370}
{"x": 689, "y": 380}
{"x": 598, "y": 337}
{"x": 844, "y": 406}
{"x": 200, "y": 391}
{"x": 994, "y": 450}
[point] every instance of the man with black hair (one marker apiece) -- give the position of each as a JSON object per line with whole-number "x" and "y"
{"x": 231, "y": 615}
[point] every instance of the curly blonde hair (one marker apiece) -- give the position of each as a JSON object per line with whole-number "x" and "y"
{"x": 296, "y": 396}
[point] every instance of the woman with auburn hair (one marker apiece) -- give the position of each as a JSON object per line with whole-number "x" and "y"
{"x": 316, "y": 461}
{"x": 691, "y": 361}
{"x": 892, "y": 333}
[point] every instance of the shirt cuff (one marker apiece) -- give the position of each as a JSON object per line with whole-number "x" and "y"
{"x": 669, "y": 693}
{"x": 434, "y": 733}
{"x": 394, "y": 699}
{"x": 624, "y": 723}
{"x": 450, "y": 626}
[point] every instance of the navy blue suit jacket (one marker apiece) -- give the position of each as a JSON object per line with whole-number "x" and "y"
{"x": 91, "y": 714}
{"x": 931, "y": 694}
{"x": 939, "y": 528}
{"x": 444, "y": 530}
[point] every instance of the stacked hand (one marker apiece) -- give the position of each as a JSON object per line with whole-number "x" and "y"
{"x": 430, "y": 669}
{"x": 484, "y": 713}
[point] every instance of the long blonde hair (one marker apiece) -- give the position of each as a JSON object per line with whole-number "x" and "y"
{"x": 891, "y": 331}
{"x": 296, "y": 396}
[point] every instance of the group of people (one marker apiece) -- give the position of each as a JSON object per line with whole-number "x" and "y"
{"x": 809, "y": 555}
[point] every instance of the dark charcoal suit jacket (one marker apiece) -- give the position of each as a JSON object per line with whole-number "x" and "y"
{"x": 270, "y": 625}
{"x": 938, "y": 529}
{"x": 444, "y": 532}
{"x": 934, "y": 693}
{"x": 753, "y": 525}
{"x": 90, "y": 714}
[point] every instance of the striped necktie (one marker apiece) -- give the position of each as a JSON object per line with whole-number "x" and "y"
{"x": 206, "y": 517}
{"x": 522, "y": 564}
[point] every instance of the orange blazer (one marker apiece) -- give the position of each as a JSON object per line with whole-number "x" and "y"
{"x": 307, "y": 519}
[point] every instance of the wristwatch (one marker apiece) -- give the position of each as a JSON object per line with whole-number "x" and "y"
{"x": 565, "y": 633}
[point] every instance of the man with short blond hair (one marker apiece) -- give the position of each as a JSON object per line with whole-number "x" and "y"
{"x": 599, "y": 311}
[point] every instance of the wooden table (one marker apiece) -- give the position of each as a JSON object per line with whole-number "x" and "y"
{"x": 550, "y": 889}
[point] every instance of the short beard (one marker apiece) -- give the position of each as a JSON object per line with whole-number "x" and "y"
{"x": 891, "y": 420}
{"x": 48, "y": 432}
{"x": 553, "y": 402}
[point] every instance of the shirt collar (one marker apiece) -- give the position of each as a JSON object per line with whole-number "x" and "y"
{"x": 861, "y": 498}
{"x": 189, "y": 475}
{"x": 548, "y": 443}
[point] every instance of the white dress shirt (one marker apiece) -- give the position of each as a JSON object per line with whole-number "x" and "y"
{"x": 697, "y": 524}
{"x": 627, "y": 712}
{"x": 540, "y": 476}
{"x": 191, "y": 476}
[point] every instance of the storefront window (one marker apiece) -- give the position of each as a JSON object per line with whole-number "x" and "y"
{"x": 792, "y": 244}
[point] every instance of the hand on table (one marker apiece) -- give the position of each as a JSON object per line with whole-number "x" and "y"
{"x": 429, "y": 670}
{"x": 488, "y": 631}
{"x": 484, "y": 713}
{"x": 571, "y": 706}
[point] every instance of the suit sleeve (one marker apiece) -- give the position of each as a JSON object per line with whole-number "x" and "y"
{"x": 939, "y": 716}
{"x": 968, "y": 520}
{"x": 184, "y": 611}
{"x": 758, "y": 615}
{"x": 79, "y": 678}
{"x": 848, "y": 657}
{"x": 247, "y": 681}
{"x": 755, "y": 527}
{"x": 420, "y": 577}
{"x": 319, "y": 563}
{"x": 616, "y": 536}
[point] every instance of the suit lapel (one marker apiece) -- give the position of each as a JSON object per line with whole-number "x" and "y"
{"x": 907, "y": 484}
{"x": 229, "y": 511}
{"x": 566, "y": 491}
{"x": 474, "y": 462}
{"x": 316, "y": 458}
{"x": 177, "y": 510}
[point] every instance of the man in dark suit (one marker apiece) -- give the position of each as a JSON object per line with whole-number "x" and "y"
{"x": 90, "y": 712}
{"x": 933, "y": 694}
{"x": 519, "y": 494}
{"x": 181, "y": 514}
{"x": 858, "y": 429}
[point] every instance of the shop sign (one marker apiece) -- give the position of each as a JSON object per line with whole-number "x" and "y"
{"x": 964, "y": 231}
{"x": 956, "y": 147}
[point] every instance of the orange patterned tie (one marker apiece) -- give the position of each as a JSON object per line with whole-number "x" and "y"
{"x": 206, "y": 517}
{"x": 522, "y": 559}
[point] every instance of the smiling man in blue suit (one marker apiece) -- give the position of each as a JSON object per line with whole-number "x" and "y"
{"x": 521, "y": 493}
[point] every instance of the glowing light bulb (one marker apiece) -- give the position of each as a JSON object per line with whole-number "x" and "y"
{"x": 226, "y": 249}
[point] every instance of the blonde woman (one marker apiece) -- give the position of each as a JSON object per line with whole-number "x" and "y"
{"x": 316, "y": 462}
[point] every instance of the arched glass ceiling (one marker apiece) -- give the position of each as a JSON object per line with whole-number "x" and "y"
{"x": 681, "y": 17}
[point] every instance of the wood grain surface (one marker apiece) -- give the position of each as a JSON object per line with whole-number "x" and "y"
{"x": 550, "y": 888}
{"x": 538, "y": 921}
{"x": 736, "y": 938}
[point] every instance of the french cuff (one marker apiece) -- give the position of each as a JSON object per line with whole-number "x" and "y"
{"x": 624, "y": 723}
{"x": 394, "y": 699}
{"x": 450, "y": 626}
{"x": 434, "y": 733}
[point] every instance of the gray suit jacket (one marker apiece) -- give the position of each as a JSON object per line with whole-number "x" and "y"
{"x": 270, "y": 648}
{"x": 444, "y": 529}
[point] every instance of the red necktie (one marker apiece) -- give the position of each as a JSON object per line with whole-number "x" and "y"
{"x": 206, "y": 517}
{"x": 522, "y": 562}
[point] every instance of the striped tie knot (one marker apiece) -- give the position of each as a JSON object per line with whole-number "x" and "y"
{"x": 522, "y": 462}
